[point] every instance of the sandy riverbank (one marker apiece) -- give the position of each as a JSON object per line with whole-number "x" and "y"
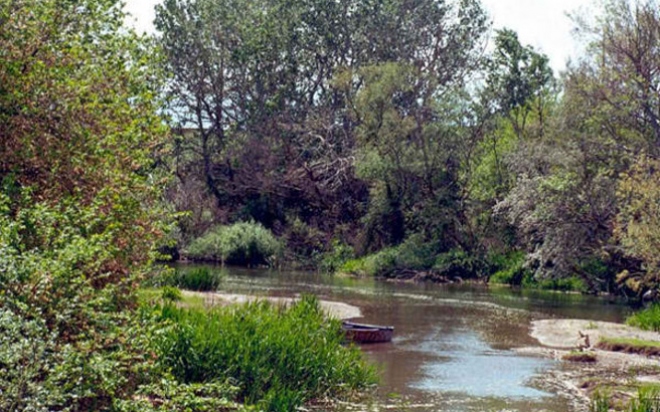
{"x": 617, "y": 373}
{"x": 337, "y": 310}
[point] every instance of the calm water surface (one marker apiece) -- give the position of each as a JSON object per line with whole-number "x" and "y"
{"x": 454, "y": 344}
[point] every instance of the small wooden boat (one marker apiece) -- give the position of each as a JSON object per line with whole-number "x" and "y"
{"x": 361, "y": 333}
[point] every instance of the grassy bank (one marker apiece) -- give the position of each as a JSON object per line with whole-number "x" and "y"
{"x": 278, "y": 358}
{"x": 580, "y": 357}
{"x": 417, "y": 260}
{"x": 637, "y": 346}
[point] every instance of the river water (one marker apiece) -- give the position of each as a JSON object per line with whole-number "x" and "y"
{"x": 454, "y": 345}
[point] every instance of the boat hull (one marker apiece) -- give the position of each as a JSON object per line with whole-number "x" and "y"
{"x": 362, "y": 333}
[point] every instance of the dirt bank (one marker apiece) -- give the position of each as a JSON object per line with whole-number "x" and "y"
{"x": 338, "y": 310}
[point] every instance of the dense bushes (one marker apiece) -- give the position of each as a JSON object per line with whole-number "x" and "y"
{"x": 509, "y": 269}
{"x": 244, "y": 243}
{"x": 411, "y": 255}
{"x": 278, "y": 357}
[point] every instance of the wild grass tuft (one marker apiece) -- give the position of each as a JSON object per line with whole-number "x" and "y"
{"x": 279, "y": 357}
{"x": 198, "y": 279}
{"x": 647, "y": 319}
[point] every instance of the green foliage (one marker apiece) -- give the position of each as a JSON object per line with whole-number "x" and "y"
{"x": 648, "y": 400}
{"x": 638, "y": 222}
{"x": 279, "y": 357}
{"x": 169, "y": 395}
{"x": 244, "y": 243}
{"x": 600, "y": 402}
{"x": 383, "y": 263}
{"x": 564, "y": 284}
{"x": 413, "y": 254}
{"x": 489, "y": 177}
{"x": 338, "y": 255}
{"x": 171, "y": 294}
{"x": 510, "y": 269}
{"x": 199, "y": 279}
{"x": 304, "y": 243}
{"x": 647, "y": 319}
{"x": 458, "y": 263}
{"x": 80, "y": 203}
{"x": 416, "y": 253}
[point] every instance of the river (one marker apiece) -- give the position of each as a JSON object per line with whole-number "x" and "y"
{"x": 455, "y": 345}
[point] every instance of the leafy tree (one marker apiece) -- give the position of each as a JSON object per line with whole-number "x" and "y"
{"x": 272, "y": 88}
{"x": 565, "y": 202}
{"x": 80, "y": 206}
{"x": 519, "y": 81}
{"x": 621, "y": 74}
{"x": 515, "y": 105}
{"x": 638, "y": 224}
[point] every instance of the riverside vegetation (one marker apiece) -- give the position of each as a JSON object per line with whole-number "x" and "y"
{"x": 416, "y": 155}
{"x": 270, "y": 132}
{"x": 82, "y": 213}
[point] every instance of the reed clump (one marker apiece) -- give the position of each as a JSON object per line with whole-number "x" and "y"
{"x": 279, "y": 357}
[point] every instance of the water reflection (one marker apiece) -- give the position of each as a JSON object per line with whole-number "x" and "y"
{"x": 469, "y": 366}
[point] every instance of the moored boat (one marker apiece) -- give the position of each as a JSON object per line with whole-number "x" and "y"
{"x": 363, "y": 333}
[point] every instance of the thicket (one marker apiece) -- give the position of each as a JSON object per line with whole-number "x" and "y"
{"x": 82, "y": 150}
{"x": 422, "y": 136}
{"x": 80, "y": 209}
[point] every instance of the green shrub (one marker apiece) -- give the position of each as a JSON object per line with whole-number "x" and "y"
{"x": 457, "y": 263}
{"x": 245, "y": 243}
{"x": 382, "y": 263}
{"x": 647, "y": 319}
{"x": 413, "y": 254}
{"x": 339, "y": 254}
{"x": 304, "y": 243}
{"x": 278, "y": 357}
{"x": 510, "y": 269}
{"x": 198, "y": 279}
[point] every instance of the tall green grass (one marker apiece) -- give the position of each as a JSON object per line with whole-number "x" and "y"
{"x": 647, "y": 319}
{"x": 198, "y": 279}
{"x": 279, "y": 357}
